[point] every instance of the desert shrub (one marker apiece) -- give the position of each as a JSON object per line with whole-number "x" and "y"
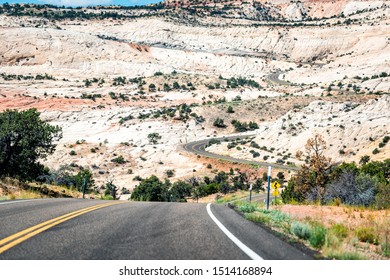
{"x": 301, "y": 230}
{"x": 339, "y": 231}
{"x": 137, "y": 178}
{"x": 219, "y": 123}
{"x": 288, "y": 194}
{"x": 258, "y": 217}
{"x": 367, "y": 234}
{"x": 278, "y": 219}
{"x": 119, "y": 160}
{"x": 230, "y": 110}
{"x": 385, "y": 249}
{"x": 151, "y": 189}
{"x": 211, "y": 188}
{"x": 180, "y": 191}
{"x": 380, "y": 170}
{"x": 170, "y": 173}
{"x": 382, "y": 198}
{"x": 352, "y": 189}
{"x": 247, "y": 208}
{"x": 345, "y": 256}
{"x": 318, "y": 236}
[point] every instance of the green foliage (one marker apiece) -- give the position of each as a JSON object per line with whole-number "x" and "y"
{"x": 108, "y": 197}
{"x": 230, "y": 110}
{"x": 344, "y": 167}
{"x": 318, "y": 236}
{"x": 119, "y": 160}
{"x": 345, "y": 256}
{"x": 364, "y": 160}
{"x": 247, "y": 208}
{"x": 339, "y": 230}
{"x": 180, "y": 191}
{"x": 382, "y": 199}
{"x": 150, "y": 189}
{"x": 258, "y": 217}
{"x": 211, "y": 188}
{"x": 218, "y": 122}
{"x": 24, "y": 139}
{"x": 380, "y": 170}
{"x": 84, "y": 176}
{"x": 213, "y": 141}
{"x": 170, "y": 173}
{"x": 154, "y": 137}
{"x": 243, "y": 126}
{"x": 111, "y": 190}
{"x": 241, "y": 81}
{"x": 301, "y": 230}
{"x": 152, "y": 87}
{"x": 367, "y": 234}
{"x": 289, "y": 194}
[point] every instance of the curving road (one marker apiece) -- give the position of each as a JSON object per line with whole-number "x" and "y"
{"x": 62, "y": 229}
{"x": 198, "y": 147}
{"x": 274, "y": 78}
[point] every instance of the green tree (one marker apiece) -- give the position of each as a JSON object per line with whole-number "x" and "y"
{"x": 180, "y": 191}
{"x": 364, "y": 160}
{"x": 152, "y": 87}
{"x": 312, "y": 178}
{"x": 219, "y": 123}
{"x": 230, "y": 109}
{"x": 154, "y": 137}
{"x": 150, "y": 189}
{"x": 111, "y": 189}
{"x": 24, "y": 139}
{"x": 79, "y": 180}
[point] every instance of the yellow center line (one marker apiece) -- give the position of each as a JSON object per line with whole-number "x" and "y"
{"x": 21, "y": 236}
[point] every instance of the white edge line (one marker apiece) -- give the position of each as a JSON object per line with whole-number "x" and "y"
{"x": 17, "y": 201}
{"x": 236, "y": 241}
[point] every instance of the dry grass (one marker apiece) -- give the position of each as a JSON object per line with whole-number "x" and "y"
{"x": 351, "y": 232}
{"x": 13, "y": 189}
{"x": 367, "y": 231}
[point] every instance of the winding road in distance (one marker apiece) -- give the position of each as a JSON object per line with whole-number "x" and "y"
{"x": 198, "y": 147}
{"x": 77, "y": 229}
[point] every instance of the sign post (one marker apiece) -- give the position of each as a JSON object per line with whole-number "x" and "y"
{"x": 269, "y": 184}
{"x": 84, "y": 183}
{"x": 250, "y": 192}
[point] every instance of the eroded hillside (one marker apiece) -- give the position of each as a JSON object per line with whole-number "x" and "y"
{"x": 110, "y": 77}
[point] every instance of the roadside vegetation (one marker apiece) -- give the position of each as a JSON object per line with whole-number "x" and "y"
{"x": 26, "y": 140}
{"x": 341, "y": 210}
{"x": 363, "y": 234}
{"x": 155, "y": 189}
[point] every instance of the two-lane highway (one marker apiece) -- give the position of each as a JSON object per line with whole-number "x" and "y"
{"x": 199, "y": 147}
{"x": 87, "y": 229}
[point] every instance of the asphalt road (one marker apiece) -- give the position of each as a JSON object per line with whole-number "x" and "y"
{"x": 131, "y": 231}
{"x": 274, "y": 78}
{"x": 198, "y": 147}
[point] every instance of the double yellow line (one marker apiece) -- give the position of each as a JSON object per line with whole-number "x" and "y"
{"x": 23, "y": 235}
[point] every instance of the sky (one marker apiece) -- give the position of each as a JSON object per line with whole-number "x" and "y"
{"x": 83, "y": 2}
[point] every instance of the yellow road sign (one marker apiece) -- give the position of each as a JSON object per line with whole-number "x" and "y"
{"x": 275, "y": 192}
{"x": 275, "y": 185}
